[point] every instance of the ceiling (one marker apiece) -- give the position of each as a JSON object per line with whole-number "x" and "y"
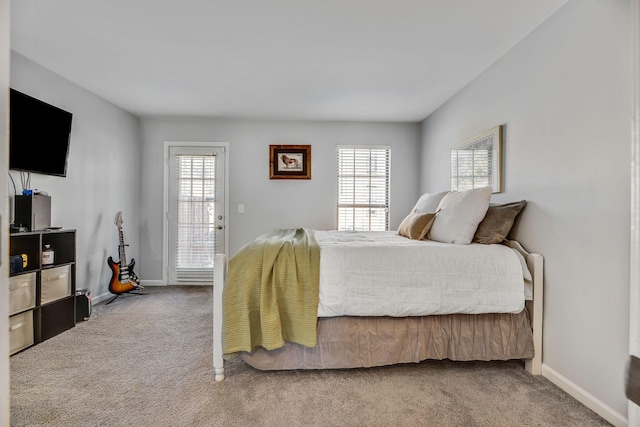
{"x": 369, "y": 60}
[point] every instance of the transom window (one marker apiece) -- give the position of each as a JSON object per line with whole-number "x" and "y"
{"x": 363, "y": 187}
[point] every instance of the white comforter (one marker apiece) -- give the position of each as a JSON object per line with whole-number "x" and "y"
{"x": 382, "y": 274}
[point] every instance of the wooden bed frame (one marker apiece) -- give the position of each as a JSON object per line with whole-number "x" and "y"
{"x": 535, "y": 262}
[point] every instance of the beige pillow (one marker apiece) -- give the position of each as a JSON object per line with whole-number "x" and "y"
{"x": 497, "y": 223}
{"x": 459, "y": 216}
{"x": 416, "y": 225}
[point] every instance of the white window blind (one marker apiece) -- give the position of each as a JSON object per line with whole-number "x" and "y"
{"x": 472, "y": 168}
{"x": 363, "y": 188}
{"x": 195, "y": 240}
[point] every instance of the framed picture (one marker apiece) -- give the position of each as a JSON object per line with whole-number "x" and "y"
{"x": 477, "y": 162}
{"x": 290, "y": 161}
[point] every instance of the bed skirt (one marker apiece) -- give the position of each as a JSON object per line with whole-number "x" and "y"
{"x": 356, "y": 342}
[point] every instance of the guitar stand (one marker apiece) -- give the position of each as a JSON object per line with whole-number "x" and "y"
{"x": 127, "y": 293}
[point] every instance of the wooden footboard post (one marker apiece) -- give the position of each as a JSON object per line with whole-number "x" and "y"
{"x": 219, "y": 271}
{"x": 535, "y": 262}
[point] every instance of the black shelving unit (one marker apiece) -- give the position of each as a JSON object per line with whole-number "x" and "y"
{"x": 52, "y": 308}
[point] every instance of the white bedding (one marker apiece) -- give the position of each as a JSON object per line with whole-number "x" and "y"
{"x": 416, "y": 278}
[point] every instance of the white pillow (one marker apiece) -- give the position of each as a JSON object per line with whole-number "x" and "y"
{"x": 460, "y": 214}
{"x": 428, "y": 202}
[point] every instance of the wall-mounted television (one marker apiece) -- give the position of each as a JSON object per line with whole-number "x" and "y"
{"x": 39, "y": 135}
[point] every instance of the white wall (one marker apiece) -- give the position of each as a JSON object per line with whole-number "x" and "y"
{"x": 103, "y": 171}
{"x": 564, "y": 95}
{"x": 269, "y": 203}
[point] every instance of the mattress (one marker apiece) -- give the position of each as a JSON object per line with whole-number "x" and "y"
{"x": 383, "y": 274}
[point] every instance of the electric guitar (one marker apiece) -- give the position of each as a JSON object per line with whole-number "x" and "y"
{"x": 123, "y": 278}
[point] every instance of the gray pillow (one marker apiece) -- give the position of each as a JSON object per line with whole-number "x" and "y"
{"x": 497, "y": 223}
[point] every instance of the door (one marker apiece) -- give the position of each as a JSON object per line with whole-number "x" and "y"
{"x": 5, "y": 10}
{"x": 196, "y": 212}
{"x": 633, "y": 370}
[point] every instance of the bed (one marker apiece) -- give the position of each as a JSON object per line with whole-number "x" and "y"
{"x": 446, "y": 285}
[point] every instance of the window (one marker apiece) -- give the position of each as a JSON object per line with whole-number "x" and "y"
{"x": 470, "y": 169}
{"x": 477, "y": 162}
{"x": 363, "y": 187}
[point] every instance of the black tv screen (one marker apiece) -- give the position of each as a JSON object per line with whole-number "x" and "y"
{"x": 38, "y": 135}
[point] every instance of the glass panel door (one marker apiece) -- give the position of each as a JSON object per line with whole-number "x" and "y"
{"x": 196, "y": 212}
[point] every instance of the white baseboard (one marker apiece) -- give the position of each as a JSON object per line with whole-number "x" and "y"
{"x": 584, "y": 397}
{"x": 98, "y": 299}
{"x": 107, "y": 295}
{"x": 152, "y": 283}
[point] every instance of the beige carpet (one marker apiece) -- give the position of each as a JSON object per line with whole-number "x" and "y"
{"x": 146, "y": 361}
